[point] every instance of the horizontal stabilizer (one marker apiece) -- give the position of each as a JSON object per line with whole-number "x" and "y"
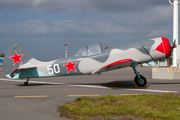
{"x": 16, "y": 71}
{"x": 19, "y": 71}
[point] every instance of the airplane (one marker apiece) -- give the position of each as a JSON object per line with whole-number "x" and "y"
{"x": 92, "y": 59}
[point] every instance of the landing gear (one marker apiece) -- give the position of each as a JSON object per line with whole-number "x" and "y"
{"x": 139, "y": 79}
{"x": 26, "y": 83}
{"x": 141, "y": 82}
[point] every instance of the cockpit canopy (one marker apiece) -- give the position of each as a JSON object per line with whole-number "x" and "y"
{"x": 91, "y": 50}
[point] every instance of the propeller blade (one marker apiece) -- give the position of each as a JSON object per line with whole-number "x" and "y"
{"x": 174, "y": 44}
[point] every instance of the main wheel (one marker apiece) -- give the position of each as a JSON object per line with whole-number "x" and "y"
{"x": 140, "y": 82}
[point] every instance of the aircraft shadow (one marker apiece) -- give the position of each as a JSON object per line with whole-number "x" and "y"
{"x": 113, "y": 85}
{"x": 122, "y": 84}
{"x": 33, "y": 84}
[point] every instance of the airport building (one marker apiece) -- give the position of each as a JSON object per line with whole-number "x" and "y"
{"x": 1, "y": 61}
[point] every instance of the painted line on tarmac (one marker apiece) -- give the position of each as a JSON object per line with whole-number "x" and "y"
{"x": 164, "y": 84}
{"x": 51, "y": 83}
{"x": 39, "y": 96}
{"x": 83, "y": 95}
{"x": 128, "y": 94}
{"x": 148, "y": 90}
{"x": 90, "y": 86}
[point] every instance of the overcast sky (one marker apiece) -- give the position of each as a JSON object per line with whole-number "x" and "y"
{"x": 42, "y": 26}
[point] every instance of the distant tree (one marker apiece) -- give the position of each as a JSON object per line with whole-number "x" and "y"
{"x": 2, "y": 55}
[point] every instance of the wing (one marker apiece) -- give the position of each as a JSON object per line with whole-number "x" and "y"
{"x": 115, "y": 65}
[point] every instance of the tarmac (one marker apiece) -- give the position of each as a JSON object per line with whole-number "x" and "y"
{"x": 42, "y": 97}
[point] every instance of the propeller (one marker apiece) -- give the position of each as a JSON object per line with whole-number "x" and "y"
{"x": 173, "y": 45}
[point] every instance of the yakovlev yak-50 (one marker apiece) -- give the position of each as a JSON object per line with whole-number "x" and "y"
{"x": 92, "y": 59}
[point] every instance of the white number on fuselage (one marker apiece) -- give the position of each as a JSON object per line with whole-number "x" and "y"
{"x": 54, "y": 69}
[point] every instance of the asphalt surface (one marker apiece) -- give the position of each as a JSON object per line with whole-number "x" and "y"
{"x": 42, "y": 97}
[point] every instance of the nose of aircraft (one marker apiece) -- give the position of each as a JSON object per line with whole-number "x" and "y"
{"x": 164, "y": 47}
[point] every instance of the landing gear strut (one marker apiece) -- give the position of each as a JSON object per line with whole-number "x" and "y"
{"x": 26, "y": 83}
{"x": 139, "y": 79}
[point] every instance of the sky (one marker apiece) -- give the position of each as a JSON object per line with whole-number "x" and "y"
{"x": 43, "y": 26}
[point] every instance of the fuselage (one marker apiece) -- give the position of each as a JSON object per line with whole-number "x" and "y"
{"x": 91, "y": 61}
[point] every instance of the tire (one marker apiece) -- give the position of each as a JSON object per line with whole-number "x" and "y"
{"x": 25, "y": 83}
{"x": 142, "y": 82}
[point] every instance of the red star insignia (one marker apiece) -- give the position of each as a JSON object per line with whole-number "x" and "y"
{"x": 70, "y": 66}
{"x": 16, "y": 58}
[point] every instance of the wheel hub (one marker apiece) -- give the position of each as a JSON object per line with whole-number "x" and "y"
{"x": 141, "y": 81}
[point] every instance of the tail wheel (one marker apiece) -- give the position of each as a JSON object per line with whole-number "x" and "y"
{"x": 140, "y": 82}
{"x": 25, "y": 83}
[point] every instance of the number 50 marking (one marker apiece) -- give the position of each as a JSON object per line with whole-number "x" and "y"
{"x": 54, "y": 69}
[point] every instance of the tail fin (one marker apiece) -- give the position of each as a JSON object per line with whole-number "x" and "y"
{"x": 15, "y": 57}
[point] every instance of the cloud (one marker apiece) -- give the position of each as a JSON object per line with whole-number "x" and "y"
{"x": 158, "y": 32}
{"x": 58, "y": 28}
{"x": 84, "y": 5}
{"x": 51, "y": 23}
{"x": 15, "y": 5}
{"x": 134, "y": 23}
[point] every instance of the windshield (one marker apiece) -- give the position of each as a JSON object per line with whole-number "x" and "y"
{"x": 92, "y": 50}
{"x": 81, "y": 52}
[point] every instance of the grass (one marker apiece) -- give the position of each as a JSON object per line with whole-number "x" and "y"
{"x": 146, "y": 106}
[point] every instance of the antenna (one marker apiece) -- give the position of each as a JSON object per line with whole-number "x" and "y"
{"x": 54, "y": 55}
{"x": 66, "y": 44}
